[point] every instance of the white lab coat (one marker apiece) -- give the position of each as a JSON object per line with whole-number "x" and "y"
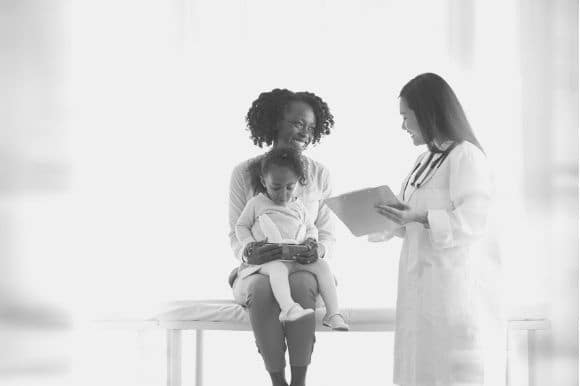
{"x": 446, "y": 301}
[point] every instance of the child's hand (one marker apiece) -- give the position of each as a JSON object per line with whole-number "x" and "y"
{"x": 310, "y": 242}
{"x": 313, "y": 253}
{"x": 259, "y": 253}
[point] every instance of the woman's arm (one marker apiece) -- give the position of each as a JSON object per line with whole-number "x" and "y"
{"x": 470, "y": 194}
{"x": 244, "y": 224}
{"x": 324, "y": 222}
{"x": 237, "y": 202}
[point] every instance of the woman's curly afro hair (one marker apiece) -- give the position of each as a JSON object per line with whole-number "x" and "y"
{"x": 268, "y": 110}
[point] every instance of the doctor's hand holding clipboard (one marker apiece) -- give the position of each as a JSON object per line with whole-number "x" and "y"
{"x": 401, "y": 213}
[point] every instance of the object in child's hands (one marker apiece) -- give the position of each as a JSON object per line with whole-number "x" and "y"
{"x": 289, "y": 251}
{"x": 358, "y": 212}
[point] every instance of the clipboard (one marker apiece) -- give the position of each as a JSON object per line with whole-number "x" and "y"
{"x": 357, "y": 210}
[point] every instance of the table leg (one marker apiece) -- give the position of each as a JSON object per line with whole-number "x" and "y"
{"x": 173, "y": 357}
{"x": 198, "y": 357}
{"x": 531, "y": 357}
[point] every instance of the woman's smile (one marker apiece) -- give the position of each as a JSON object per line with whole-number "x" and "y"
{"x": 410, "y": 124}
{"x": 300, "y": 142}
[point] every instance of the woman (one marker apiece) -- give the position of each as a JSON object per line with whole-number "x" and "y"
{"x": 283, "y": 118}
{"x": 442, "y": 296}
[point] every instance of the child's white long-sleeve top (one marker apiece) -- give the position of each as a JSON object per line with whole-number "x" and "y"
{"x": 292, "y": 221}
{"x": 313, "y": 194}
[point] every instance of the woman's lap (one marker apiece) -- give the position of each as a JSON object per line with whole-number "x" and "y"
{"x": 242, "y": 287}
{"x": 318, "y": 268}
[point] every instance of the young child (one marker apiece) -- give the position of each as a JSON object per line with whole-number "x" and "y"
{"x": 277, "y": 216}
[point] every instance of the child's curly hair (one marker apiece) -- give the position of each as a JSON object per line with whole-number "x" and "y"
{"x": 268, "y": 110}
{"x": 283, "y": 157}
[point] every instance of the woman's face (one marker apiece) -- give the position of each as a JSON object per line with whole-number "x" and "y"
{"x": 280, "y": 183}
{"x": 296, "y": 127}
{"x": 410, "y": 124}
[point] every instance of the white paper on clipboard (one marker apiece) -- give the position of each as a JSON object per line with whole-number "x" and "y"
{"x": 357, "y": 210}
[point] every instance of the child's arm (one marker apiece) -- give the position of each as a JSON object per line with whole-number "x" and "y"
{"x": 311, "y": 238}
{"x": 244, "y": 224}
{"x": 311, "y": 229}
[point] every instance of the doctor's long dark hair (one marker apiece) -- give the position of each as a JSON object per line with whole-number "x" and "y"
{"x": 438, "y": 111}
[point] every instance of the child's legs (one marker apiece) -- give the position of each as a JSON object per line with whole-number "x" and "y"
{"x": 277, "y": 271}
{"x": 326, "y": 283}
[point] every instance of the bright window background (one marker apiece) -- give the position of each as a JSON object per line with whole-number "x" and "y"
{"x": 135, "y": 110}
{"x": 160, "y": 126}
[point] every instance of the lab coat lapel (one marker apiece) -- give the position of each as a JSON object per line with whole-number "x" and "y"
{"x": 408, "y": 187}
{"x": 431, "y": 173}
{"x": 428, "y": 177}
{"x": 449, "y": 148}
{"x": 411, "y": 190}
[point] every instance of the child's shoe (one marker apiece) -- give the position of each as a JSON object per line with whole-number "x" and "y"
{"x": 336, "y": 322}
{"x": 294, "y": 313}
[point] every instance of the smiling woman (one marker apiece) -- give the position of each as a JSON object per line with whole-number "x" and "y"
{"x": 286, "y": 120}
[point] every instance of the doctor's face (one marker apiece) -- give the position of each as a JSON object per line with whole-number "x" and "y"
{"x": 410, "y": 124}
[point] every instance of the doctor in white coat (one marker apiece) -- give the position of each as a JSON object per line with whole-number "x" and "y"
{"x": 446, "y": 306}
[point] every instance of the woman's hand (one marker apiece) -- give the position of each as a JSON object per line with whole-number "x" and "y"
{"x": 258, "y": 253}
{"x": 402, "y": 214}
{"x": 315, "y": 251}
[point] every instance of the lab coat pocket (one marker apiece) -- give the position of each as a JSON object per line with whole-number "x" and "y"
{"x": 445, "y": 294}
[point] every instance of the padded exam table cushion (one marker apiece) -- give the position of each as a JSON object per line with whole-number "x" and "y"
{"x": 226, "y": 314}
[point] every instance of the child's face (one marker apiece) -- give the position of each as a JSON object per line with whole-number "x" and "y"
{"x": 280, "y": 183}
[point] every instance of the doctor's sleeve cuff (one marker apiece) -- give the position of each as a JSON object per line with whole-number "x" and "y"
{"x": 440, "y": 230}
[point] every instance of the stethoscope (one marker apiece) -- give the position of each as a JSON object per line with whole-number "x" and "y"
{"x": 432, "y": 169}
